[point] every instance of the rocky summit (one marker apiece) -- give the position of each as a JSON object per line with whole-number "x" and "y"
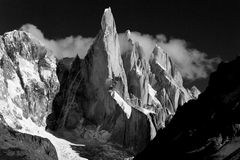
{"x": 109, "y": 105}
{"x": 116, "y": 99}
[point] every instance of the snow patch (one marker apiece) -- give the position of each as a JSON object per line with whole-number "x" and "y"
{"x": 28, "y": 71}
{"x": 152, "y": 94}
{"x": 164, "y": 68}
{"x": 125, "y": 107}
{"x": 46, "y": 73}
{"x": 144, "y": 110}
{"x": 138, "y": 71}
{"x": 14, "y": 87}
{"x": 13, "y": 116}
{"x": 63, "y": 147}
{"x": 128, "y": 109}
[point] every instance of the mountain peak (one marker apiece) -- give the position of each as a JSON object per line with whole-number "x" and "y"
{"x": 110, "y": 97}
{"x": 128, "y": 34}
{"x": 160, "y": 56}
{"x": 158, "y": 50}
{"x": 108, "y": 23}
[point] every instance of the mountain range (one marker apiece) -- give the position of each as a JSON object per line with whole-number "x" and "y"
{"x": 112, "y": 104}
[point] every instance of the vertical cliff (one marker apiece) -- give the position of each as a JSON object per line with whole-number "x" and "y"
{"x": 110, "y": 97}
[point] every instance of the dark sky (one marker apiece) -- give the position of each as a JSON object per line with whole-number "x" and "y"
{"x": 212, "y": 27}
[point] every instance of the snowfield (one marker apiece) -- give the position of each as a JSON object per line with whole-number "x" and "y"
{"x": 63, "y": 147}
{"x": 13, "y": 117}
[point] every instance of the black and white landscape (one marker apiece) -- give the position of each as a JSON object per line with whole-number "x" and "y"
{"x": 119, "y": 97}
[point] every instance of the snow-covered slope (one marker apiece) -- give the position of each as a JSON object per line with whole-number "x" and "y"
{"x": 28, "y": 84}
{"x": 121, "y": 102}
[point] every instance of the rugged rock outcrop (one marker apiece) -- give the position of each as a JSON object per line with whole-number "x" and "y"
{"x": 28, "y": 84}
{"x": 111, "y": 101}
{"x": 167, "y": 81}
{"x": 113, "y": 97}
{"x": 28, "y": 80}
{"x": 137, "y": 71}
{"x": 92, "y": 98}
{"x": 206, "y": 128}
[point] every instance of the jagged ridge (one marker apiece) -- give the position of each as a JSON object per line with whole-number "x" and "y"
{"x": 206, "y": 128}
{"x": 119, "y": 99}
{"x": 116, "y": 97}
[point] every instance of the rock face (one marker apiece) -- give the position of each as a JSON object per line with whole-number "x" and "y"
{"x": 28, "y": 84}
{"x": 168, "y": 83}
{"x": 137, "y": 72}
{"x": 28, "y": 79}
{"x": 206, "y": 128}
{"x": 114, "y": 97}
{"x": 112, "y": 101}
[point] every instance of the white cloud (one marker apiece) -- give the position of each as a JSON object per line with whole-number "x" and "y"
{"x": 67, "y": 47}
{"x": 192, "y": 63}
